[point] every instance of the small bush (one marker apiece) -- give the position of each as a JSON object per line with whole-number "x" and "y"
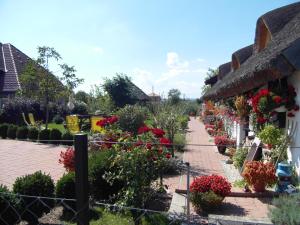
{"x": 179, "y": 141}
{"x": 65, "y": 188}
{"x": 12, "y": 132}
{"x": 239, "y": 157}
{"x": 67, "y": 138}
{"x": 22, "y": 133}
{"x": 183, "y": 121}
{"x": 55, "y": 136}
{"x": 131, "y": 118}
{"x": 33, "y": 134}
{"x": 3, "y": 130}
{"x": 99, "y": 163}
{"x": 44, "y": 136}
{"x": 37, "y": 184}
{"x": 58, "y": 119}
{"x": 8, "y": 205}
{"x": 286, "y": 210}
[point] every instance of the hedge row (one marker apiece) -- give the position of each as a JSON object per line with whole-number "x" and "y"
{"x": 53, "y": 136}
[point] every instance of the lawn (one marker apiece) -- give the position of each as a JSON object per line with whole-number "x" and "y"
{"x": 60, "y": 127}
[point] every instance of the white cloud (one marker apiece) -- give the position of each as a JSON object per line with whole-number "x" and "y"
{"x": 143, "y": 79}
{"x": 98, "y": 50}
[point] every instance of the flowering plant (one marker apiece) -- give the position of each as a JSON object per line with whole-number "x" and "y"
{"x": 224, "y": 141}
{"x": 67, "y": 158}
{"x": 209, "y": 191}
{"x": 107, "y": 121}
{"x": 259, "y": 174}
{"x": 241, "y": 106}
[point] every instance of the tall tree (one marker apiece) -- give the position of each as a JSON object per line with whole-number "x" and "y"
{"x": 119, "y": 89}
{"x": 69, "y": 77}
{"x": 174, "y": 96}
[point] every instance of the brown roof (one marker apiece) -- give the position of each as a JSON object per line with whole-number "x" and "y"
{"x": 243, "y": 54}
{"x": 212, "y": 80}
{"x": 224, "y": 69}
{"x": 270, "y": 63}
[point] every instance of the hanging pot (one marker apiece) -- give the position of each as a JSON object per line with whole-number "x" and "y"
{"x": 221, "y": 149}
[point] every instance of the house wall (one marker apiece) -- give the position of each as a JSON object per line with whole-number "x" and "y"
{"x": 294, "y": 151}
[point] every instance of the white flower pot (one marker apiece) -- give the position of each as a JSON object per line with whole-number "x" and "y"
{"x": 280, "y": 109}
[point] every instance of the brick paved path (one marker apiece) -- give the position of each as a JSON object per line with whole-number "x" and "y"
{"x": 206, "y": 160}
{"x": 18, "y": 158}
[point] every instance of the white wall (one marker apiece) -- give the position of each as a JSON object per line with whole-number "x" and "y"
{"x": 294, "y": 153}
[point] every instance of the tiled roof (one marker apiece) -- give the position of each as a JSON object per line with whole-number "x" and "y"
{"x": 12, "y": 63}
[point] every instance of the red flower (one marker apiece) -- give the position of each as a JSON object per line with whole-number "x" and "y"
{"x": 165, "y": 141}
{"x": 67, "y": 158}
{"x": 158, "y": 132}
{"x": 112, "y": 119}
{"x": 277, "y": 99}
{"x": 160, "y": 151}
{"x": 102, "y": 123}
{"x": 148, "y": 146}
{"x": 143, "y": 129}
{"x": 264, "y": 92}
{"x": 168, "y": 155}
{"x": 138, "y": 143}
{"x": 290, "y": 114}
{"x": 261, "y": 120}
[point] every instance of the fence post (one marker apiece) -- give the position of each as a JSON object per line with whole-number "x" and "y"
{"x": 81, "y": 179}
{"x": 188, "y": 192}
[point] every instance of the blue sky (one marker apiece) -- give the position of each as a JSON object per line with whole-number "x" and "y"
{"x": 159, "y": 43}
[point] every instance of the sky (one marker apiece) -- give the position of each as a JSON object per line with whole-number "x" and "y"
{"x": 160, "y": 44}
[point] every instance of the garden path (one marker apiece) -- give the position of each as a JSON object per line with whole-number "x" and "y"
{"x": 205, "y": 160}
{"x": 18, "y": 158}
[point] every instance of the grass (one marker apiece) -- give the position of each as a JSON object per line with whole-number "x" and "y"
{"x": 239, "y": 183}
{"x": 104, "y": 217}
{"x": 60, "y": 127}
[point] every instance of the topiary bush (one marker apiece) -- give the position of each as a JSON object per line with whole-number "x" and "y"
{"x": 131, "y": 118}
{"x": 3, "y": 130}
{"x": 9, "y": 206}
{"x": 55, "y": 136}
{"x": 22, "y": 133}
{"x": 12, "y": 132}
{"x": 44, "y": 136}
{"x": 286, "y": 210}
{"x": 33, "y": 134}
{"x": 37, "y": 184}
{"x": 58, "y": 119}
{"x": 99, "y": 163}
{"x": 65, "y": 188}
{"x": 68, "y": 138}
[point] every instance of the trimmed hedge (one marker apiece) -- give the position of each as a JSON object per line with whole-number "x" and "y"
{"x": 12, "y": 132}
{"x": 33, "y": 134}
{"x": 37, "y": 184}
{"x": 8, "y": 206}
{"x": 68, "y": 139}
{"x": 44, "y": 136}
{"x": 55, "y": 135}
{"x": 3, "y": 130}
{"x": 22, "y": 133}
{"x": 65, "y": 188}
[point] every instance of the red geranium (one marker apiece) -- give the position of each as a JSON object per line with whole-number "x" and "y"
{"x": 158, "y": 132}
{"x": 261, "y": 120}
{"x": 143, "y": 129}
{"x": 168, "y": 155}
{"x": 106, "y": 121}
{"x": 102, "y": 123}
{"x": 277, "y": 99}
{"x": 67, "y": 158}
{"x": 165, "y": 141}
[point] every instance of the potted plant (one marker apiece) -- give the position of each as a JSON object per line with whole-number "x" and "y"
{"x": 259, "y": 175}
{"x": 222, "y": 142}
{"x": 270, "y": 136}
{"x": 208, "y": 192}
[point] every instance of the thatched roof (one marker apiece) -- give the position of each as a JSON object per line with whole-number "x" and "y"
{"x": 212, "y": 80}
{"x": 137, "y": 93}
{"x": 243, "y": 54}
{"x": 270, "y": 63}
{"x": 224, "y": 69}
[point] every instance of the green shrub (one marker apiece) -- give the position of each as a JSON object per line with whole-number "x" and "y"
{"x": 68, "y": 139}
{"x": 65, "y": 188}
{"x": 3, "y": 130}
{"x": 44, "y": 136}
{"x": 12, "y": 132}
{"x": 183, "y": 121}
{"x": 239, "y": 157}
{"x": 55, "y": 136}
{"x": 131, "y": 118}
{"x": 206, "y": 201}
{"x": 58, "y": 119}
{"x": 8, "y": 206}
{"x": 179, "y": 141}
{"x": 99, "y": 163}
{"x": 37, "y": 184}
{"x": 270, "y": 135}
{"x": 286, "y": 210}
{"x": 33, "y": 134}
{"x": 22, "y": 132}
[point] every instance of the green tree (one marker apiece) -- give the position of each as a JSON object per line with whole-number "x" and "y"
{"x": 69, "y": 77}
{"x": 119, "y": 90}
{"x": 174, "y": 96}
{"x": 82, "y": 96}
{"x": 210, "y": 73}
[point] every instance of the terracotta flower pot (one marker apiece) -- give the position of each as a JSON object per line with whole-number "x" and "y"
{"x": 221, "y": 149}
{"x": 259, "y": 187}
